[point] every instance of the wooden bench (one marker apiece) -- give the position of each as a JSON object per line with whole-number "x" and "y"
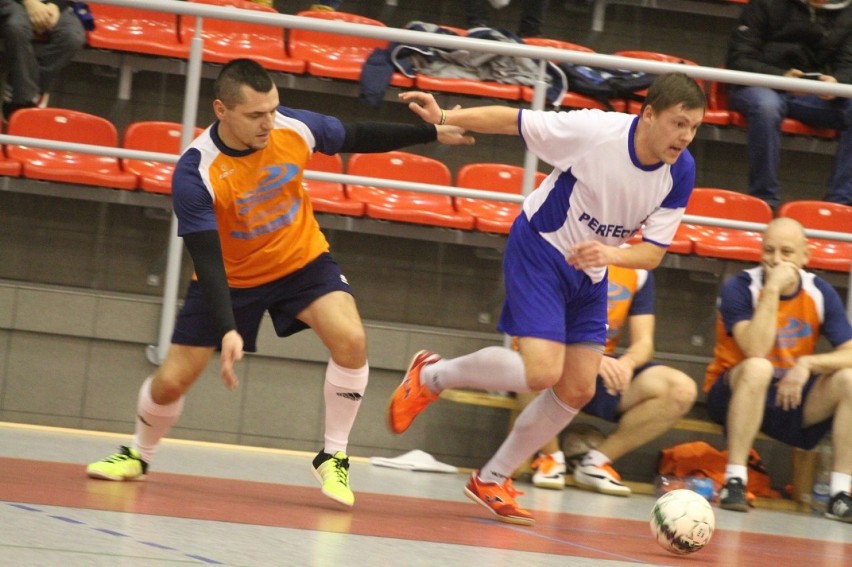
{"x": 803, "y": 465}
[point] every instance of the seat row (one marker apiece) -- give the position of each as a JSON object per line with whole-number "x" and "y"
{"x": 461, "y": 213}
{"x": 341, "y": 57}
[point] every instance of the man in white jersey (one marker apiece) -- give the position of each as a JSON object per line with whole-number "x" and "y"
{"x": 613, "y": 174}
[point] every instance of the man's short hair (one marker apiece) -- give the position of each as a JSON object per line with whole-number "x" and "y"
{"x": 236, "y": 74}
{"x": 673, "y": 89}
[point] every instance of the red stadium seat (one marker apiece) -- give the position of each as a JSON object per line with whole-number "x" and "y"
{"x": 9, "y": 167}
{"x": 226, "y": 40}
{"x": 65, "y": 166}
{"x": 405, "y": 206}
{"x": 492, "y": 216}
{"x": 164, "y": 137}
{"x": 726, "y": 243}
{"x": 719, "y": 94}
{"x": 337, "y": 56}
{"x": 329, "y": 196}
{"x": 136, "y": 30}
{"x": 571, "y": 99}
{"x": 820, "y": 215}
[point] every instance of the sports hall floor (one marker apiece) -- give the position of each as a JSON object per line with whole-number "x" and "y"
{"x": 206, "y": 504}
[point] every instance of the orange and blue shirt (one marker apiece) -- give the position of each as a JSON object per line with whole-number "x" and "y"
{"x": 814, "y": 310}
{"x": 631, "y": 292}
{"x": 255, "y": 198}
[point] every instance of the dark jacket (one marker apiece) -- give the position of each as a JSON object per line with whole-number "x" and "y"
{"x": 774, "y": 36}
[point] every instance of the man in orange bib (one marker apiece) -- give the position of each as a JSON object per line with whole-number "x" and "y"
{"x": 248, "y": 224}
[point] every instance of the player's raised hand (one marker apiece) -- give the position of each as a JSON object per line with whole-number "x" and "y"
{"x": 423, "y": 105}
{"x": 783, "y": 274}
{"x": 232, "y": 351}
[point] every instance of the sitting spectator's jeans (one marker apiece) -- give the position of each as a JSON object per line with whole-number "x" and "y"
{"x": 31, "y": 74}
{"x": 764, "y": 109}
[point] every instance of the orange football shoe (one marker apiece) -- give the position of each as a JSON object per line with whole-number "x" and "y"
{"x": 411, "y": 397}
{"x": 499, "y": 499}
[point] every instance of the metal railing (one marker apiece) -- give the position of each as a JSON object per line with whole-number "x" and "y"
{"x": 156, "y": 353}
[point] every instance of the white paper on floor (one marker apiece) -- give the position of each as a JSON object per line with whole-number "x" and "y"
{"x": 415, "y": 460}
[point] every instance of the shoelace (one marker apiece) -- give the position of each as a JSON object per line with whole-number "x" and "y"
{"x": 511, "y": 490}
{"x": 341, "y": 469}
{"x": 122, "y": 455}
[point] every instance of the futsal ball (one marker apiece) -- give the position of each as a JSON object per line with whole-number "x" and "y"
{"x": 682, "y": 521}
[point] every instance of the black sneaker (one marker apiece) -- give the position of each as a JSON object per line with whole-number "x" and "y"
{"x": 840, "y": 507}
{"x": 733, "y": 496}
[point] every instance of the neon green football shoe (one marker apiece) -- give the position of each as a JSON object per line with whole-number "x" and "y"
{"x": 124, "y": 465}
{"x": 332, "y": 471}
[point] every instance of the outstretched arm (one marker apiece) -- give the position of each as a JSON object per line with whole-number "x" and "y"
{"x": 481, "y": 119}
{"x": 372, "y": 137}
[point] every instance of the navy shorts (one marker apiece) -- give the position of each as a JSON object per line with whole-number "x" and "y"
{"x": 545, "y": 297}
{"x": 284, "y": 299}
{"x": 780, "y": 424}
{"x": 605, "y": 405}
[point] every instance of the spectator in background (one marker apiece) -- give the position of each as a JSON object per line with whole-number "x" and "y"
{"x": 645, "y": 399}
{"x": 765, "y": 375}
{"x": 532, "y": 15}
{"x": 793, "y": 38}
{"x": 31, "y": 76}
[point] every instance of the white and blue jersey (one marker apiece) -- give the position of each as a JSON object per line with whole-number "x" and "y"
{"x": 598, "y": 191}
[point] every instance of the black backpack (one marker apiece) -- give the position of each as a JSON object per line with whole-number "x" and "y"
{"x": 605, "y": 84}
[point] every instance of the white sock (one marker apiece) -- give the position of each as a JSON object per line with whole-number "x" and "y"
{"x": 736, "y": 471}
{"x": 595, "y": 458}
{"x": 840, "y": 482}
{"x": 153, "y": 421}
{"x": 343, "y": 391}
{"x": 540, "y": 421}
{"x": 492, "y": 368}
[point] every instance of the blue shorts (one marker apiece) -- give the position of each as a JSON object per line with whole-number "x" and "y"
{"x": 545, "y": 297}
{"x": 284, "y": 299}
{"x": 605, "y": 405}
{"x": 780, "y": 424}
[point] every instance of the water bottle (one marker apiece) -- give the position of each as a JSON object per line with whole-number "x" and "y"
{"x": 666, "y": 483}
{"x": 702, "y": 485}
{"x": 822, "y": 480}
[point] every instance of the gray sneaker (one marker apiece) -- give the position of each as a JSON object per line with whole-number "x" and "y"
{"x": 733, "y": 496}
{"x": 840, "y": 507}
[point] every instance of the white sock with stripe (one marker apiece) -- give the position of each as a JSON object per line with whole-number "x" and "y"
{"x": 540, "y": 422}
{"x": 153, "y": 421}
{"x": 343, "y": 391}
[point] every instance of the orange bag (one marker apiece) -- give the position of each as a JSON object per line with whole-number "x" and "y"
{"x": 698, "y": 458}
